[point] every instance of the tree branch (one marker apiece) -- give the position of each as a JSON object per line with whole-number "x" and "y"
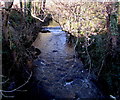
{"x": 19, "y": 86}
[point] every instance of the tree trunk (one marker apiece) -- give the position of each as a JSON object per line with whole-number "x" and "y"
{"x": 113, "y": 25}
{"x": 25, "y": 7}
{"x": 21, "y": 5}
{"x": 8, "y": 5}
{"x": 112, "y": 11}
{"x": 29, "y": 7}
{"x": 43, "y": 5}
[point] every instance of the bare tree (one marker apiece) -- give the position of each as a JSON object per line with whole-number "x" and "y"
{"x": 8, "y": 6}
{"x": 25, "y": 6}
{"x": 29, "y": 7}
{"x": 21, "y": 6}
{"x": 112, "y": 29}
{"x": 43, "y": 4}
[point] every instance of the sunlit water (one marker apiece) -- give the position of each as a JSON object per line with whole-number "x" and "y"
{"x": 53, "y": 44}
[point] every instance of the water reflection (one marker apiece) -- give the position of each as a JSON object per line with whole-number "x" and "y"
{"x": 53, "y": 44}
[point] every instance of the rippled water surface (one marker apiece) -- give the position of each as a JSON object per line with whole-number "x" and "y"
{"x": 53, "y": 44}
{"x": 58, "y": 72}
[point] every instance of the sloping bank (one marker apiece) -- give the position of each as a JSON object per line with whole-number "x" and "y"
{"x": 17, "y": 52}
{"x": 101, "y": 61}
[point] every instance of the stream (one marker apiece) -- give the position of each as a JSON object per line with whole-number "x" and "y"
{"x": 58, "y": 74}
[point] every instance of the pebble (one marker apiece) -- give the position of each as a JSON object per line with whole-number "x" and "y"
{"x": 54, "y": 51}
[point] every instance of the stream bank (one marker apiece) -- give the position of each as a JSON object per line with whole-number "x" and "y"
{"x": 17, "y": 53}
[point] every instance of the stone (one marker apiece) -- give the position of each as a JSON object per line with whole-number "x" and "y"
{"x": 54, "y": 51}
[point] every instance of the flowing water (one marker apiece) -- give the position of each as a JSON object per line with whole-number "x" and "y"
{"x": 58, "y": 72}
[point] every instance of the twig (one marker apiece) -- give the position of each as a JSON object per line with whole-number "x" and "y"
{"x": 75, "y": 47}
{"x": 6, "y": 96}
{"x": 76, "y": 43}
{"x": 19, "y": 86}
{"x": 21, "y": 90}
{"x": 2, "y": 76}
{"x": 90, "y": 62}
{"x": 101, "y": 66}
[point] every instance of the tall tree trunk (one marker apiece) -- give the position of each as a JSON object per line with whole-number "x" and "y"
{"x": 21, "y": 5}
{"x": 43, "y": 4}
{"x": 29, "y": 7}
{"x": 8, "y": 5}
{"x": 113, "y": 25}
{"x": 33, "y": 7}
{"x": 25, "y": 8}
{"x": 43, "y": 8}
{"x": 112, "y": 11}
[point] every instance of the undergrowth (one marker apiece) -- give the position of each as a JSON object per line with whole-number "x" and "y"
{"x": 105, "y": 63}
